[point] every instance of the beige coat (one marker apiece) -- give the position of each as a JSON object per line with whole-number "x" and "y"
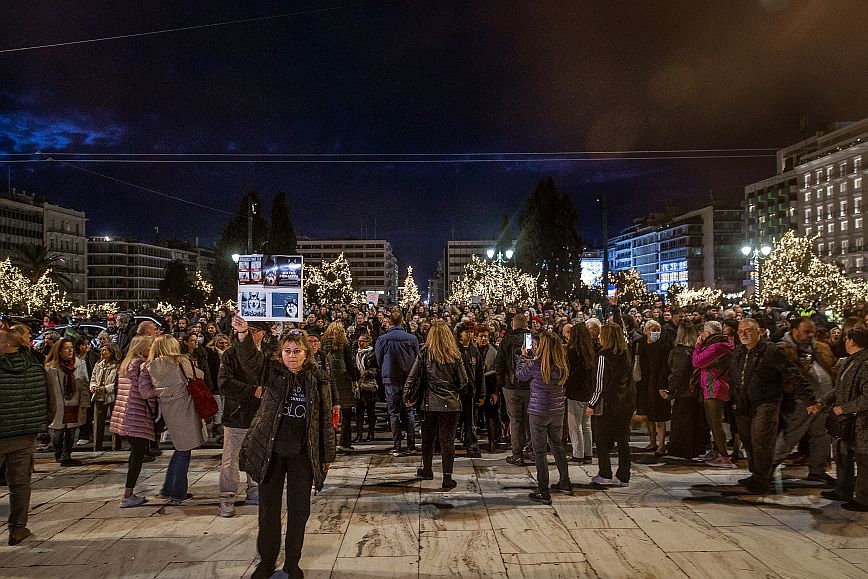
{"x": 81, "y": 398}
{"x": 176, "y": 404}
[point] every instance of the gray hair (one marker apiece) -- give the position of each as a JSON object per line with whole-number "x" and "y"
{"x": 713, "y": 327}
{"x": 594, "y": 322}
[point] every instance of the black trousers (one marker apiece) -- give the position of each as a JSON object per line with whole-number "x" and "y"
{"x": 366, "y": 404}
{"x": 138, "y": 450}
{"x": 758, "y": 431}
{"x": 346, "y": 426}
{"x": 613, "y": 427}
{"x": 295, "y": 474}
{"x": 439, "y": 425}
{"x": 851, "y": 486}
{"x": 468, "y": 422}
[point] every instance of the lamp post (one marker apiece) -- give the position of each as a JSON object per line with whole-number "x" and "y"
{"x": 756, "y": 254}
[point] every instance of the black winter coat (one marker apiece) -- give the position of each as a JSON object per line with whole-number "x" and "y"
{"x": 258, "y": 446}
{"x": 759, "y": 375}
{"x": 443, "y": 384}
{"x": 510, "y": 348}
{"x": 238, "y": 389}
{"x": 473, "y": 366}
{"x": 680, "y": 371}
{"x": 614, "y": 389}
{"x": 580, "y": 381}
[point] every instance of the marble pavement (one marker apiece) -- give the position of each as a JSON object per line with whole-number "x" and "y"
{"x": 374, "y": 520}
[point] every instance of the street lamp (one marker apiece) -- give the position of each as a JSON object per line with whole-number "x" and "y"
{"x": 235, "y": 257}
{"x": 756, "y": 254}
{"x": 501, "y": 255}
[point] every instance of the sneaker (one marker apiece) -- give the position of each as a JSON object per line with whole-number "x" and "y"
{"x": 616, "y": 482}
{"x": 148, "y": 458}
{"x": 564, "y": 487}
{"x": 541, "y": 498}
{"x": 18, "y": 535}
{"x": 710, "y": 455}
{"x": 425, "y": 474}
{"x": 132, "y": 501}
{"x": 227, "y": 508}
{"x": 175, "y": 502}
{"x": 721, "y": 462}
{"x": 746, "y": 481}
{"x": 396, "y": 452}
{"x": 576, "y": 459}
{"x": 515, "y": 460}
{"x": 598, "y": 480}
{"x": 82, "y": 442}
{"x": 252, "y": 500}
{"x": 345, "y": 449}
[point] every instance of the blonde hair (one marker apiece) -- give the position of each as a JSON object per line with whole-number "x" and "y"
{"x": 336, "y": 333}
{"x": 165, "y": 347}
{"x": 140, "y": 346}
{"x": 441, "y": 344}
{"x": 552, "y": 353}
{"x": 612, "y": 337}
{"x": 298, "y": 337}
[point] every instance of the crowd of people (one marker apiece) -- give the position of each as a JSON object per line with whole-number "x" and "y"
{"x": 710, "y": 386}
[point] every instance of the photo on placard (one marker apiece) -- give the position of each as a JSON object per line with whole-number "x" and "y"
{"x": 252, "y": 304}
{"x": 285, "y": 305}
{"x": 250, "y": 270}
{"x": 282, "y": 271}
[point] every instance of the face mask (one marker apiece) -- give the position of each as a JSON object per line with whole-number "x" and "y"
{"x": 201, "y": 340}
{"x": 655, "y": 336}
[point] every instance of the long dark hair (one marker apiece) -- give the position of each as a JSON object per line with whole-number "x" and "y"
{"x": 582, "y": 343}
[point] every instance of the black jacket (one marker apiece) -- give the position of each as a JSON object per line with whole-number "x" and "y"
{"x": 510, "y": 348}
{"x": 680, "y": 371}
{"x": 614, "y": 389}
{"x": 580, "y": 381}
{"x": 238, "y": 389}
{"x": 759, "y": 375}
{"x": 441, "y": 387}
{"x": 256, "y": 451}
{"x": 472, "y": 359}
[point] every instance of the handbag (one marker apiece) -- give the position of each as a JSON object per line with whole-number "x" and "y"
{"x": 70, "y": 414}
{"x": 157, "y": 417}
{"x": 203, "y": 400}
{"x": 842, "y": 427}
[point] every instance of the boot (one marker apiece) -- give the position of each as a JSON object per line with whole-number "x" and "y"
{"x": 359, "y": 426}
{"x": 493, "y": 429}
{"x": 448, "y": 483}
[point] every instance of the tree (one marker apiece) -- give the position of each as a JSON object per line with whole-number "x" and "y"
{"x": 548, "y": 244}
{"x": 631, "y": 287}
{"x": 179, "y": 288}
{"x": 494, "y": 283}
{"x": 18, "y": 294}
{"x": 410, "y": 296}
{"x": 35, "y": 259}
{"x": 281, "y": 234}
{"x": 330, "y": 283}
{"x": 234, "y": 240}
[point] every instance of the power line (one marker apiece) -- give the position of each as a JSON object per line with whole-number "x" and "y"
{"x": 148, "y": 189}
{"x": 194, "y": 27}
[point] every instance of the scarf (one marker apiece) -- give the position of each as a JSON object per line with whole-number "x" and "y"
{"x": 69, "y": 378}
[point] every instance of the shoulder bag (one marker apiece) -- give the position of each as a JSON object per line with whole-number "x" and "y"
{"x": 203, "y": 399}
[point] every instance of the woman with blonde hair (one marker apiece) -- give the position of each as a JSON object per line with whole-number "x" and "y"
{"x": 133, "y": 414}
{"x": 168, "y": 371}
{"x": 344, "y": 373}
{"x": 611, "y": 406}
{"x": 547, "y": 373}
{"x": 68, "y": 388}
{"x": 435, "y": 385}
{"x": 290, "y": 444}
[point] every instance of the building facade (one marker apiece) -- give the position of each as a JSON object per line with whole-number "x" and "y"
{"x": 695, "y": 249}
{"x": 129, "y": 272}
{"x": 372, "y": 262}
{"x": 28, "y": 220}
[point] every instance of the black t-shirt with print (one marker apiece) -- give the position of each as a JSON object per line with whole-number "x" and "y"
{"x": 291, "y": 436}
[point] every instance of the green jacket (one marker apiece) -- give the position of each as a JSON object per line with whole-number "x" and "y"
{"x": 23, "y": 395}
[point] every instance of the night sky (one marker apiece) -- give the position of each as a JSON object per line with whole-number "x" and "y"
{"x": 421, "y": 78}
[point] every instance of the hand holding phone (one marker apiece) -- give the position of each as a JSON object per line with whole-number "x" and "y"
{"x": 528, "y": 343}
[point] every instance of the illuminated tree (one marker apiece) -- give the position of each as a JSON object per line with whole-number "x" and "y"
{"x": 494, "y": 283}
{"x": 631, "y": 287}
{"x": 13, "y": 286}
{"x": 330, "y": 283}
{"x": 410, "y": 296}
{"x": 695, "y": 296}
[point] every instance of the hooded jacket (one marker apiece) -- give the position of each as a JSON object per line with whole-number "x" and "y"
{"x": 396, "y": 352}
{"x": 714, "y": 358}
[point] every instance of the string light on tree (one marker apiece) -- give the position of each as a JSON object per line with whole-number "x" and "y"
{"x": 698, "y": 296}
{"x": 202, "y": 284}
{"x": 631, "y": 287}
{"x": 494, "y": 283}
{"x": 330, "y": 283}
{"x": 410, "y": 296}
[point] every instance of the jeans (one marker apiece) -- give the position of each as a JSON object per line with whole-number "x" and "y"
{"x": 175, "y": 485}
{"x": 579, "y": 425}
{"x": 850, "y": 485}
{"x": 16, "y": 454}
{"x": 230, "y": 475}
{"x": 468, "y": 421}
{"x": 366, "y": 404}
{"x": 551, "y": 429}
{"x": 439, "y": 425}
{"x": 758, "y": 431}
{"x": 714, "y": 416}
{"x": 399, "y": 415}
{"x": 296, "y": 473}
{"x": 796, "y": 423}
{"x": 516, "y": 407}
{"x": 62, "y": 439}
{"x": 612, "y": 427}
{"x": 138, "y": 450}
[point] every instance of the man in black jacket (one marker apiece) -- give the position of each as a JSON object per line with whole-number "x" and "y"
{"x": 474, "y": 396}
{"x": 759, "y": 371}
{"x": 516, "y": 393}
{"x": 240, "y": 403}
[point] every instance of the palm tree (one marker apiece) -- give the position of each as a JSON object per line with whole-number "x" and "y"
{"x": 34, "y": 260}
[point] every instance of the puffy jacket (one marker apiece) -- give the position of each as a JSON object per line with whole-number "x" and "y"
{"x": 238, "y": 389}
{"x": 614, "y": 389}
{"x": 714, "y": 359}
{"x": 758, "y": 376}
{"x": 134, "y": 403}
{"x": 545, "y": 399}
{"x": 851, "y": 394}
{"x": 80, "y": 399}
{"x": 510, "y": 349}
{"x": 258, "y": 445}
{"x": 176, "y": 404}
{"x": 24, "y": 400}
{"x": 343, "y": 372}
{"x": 580, "y": 381}
{"x": 396, "y": 352}
{"x": 443, "y": 384}
{"x": 680, "y": 372}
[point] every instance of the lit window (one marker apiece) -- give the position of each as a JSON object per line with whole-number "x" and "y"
{"x": 857, "y": 183}
{"x": 830, "y": 228}
{"x": 819, "y": 175}
{"x": 842, "y": 169}
{"x": 844, "y": 246}
{"x": 857, "y": 223}
{"x": 807, "y": 196}
{"x": 843, "y": 212}
{"x": 857, "y": 164}
{"x": 831, "y": 247}
{"x": 829, "y": 190}
{"x": 807, "y": 215}
{"x": 857, "y": 205}
{"x": 819, "y": 213}
{"x": 820, "y": 248}
{"x": 844, "y": 225}
{"x": 808, "y": 231}
{"x": 828, "y": 173}
{"x": 843, "y": 187}
{"x": 807, "y": 179}
{"x": 830, "y": 211}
